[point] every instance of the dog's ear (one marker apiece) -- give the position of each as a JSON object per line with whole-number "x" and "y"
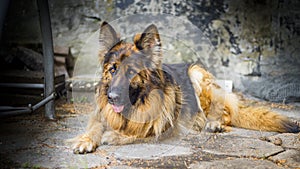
{"x": 149, "y": 42}
{"x": 108, "y": 37}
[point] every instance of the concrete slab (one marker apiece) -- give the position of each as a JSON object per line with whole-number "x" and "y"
{"x": 236, "y": 164}
{"x": 37, "y": 143}
{"x": 121, "y": 167}
{"x": 150, "y": 151}
{"x": 289, "y": 158}
{"x": 241, "y": 147}
{"x": 248, "y": 133}
{"x": 57, "y": 157}
{"x": 289, "y": 140}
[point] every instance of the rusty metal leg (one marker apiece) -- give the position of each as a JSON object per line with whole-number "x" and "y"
{"x": 45, "y": 24}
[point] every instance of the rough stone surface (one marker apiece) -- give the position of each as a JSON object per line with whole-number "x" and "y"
{"x": 289, "y": 158}
{"x": 236, "y": 164}
{"x": 244, "y": 147}
{"x": 239, "y": 132}
{"x": 289, "y": 141}
{"x": 31, "y": 142}
{"x": 63, "y": 158}
{"x": 122, "y": 167}
{"x": 150, "y": 151}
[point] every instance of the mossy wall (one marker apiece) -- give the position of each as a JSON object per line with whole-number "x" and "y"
{"x": 256, "y": 42}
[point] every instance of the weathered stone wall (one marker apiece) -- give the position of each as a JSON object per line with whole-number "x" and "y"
{"x": 261, "y": 44}
{"x": 256, "y": 42}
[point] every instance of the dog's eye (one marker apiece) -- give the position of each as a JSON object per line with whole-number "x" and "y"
{"x": 113, "y": 69}
{"x": 131, "y": 73}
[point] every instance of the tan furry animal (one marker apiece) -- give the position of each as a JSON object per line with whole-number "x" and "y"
{"x": 140, "y": 97}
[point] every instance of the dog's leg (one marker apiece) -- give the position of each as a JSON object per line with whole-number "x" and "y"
{"x": 211, "y": 124}
{"x": 222, "y": 106}
{"x": 90, "y": 140}
{"x": 216, "y": 104}
{"x": 216, "y": 121}
{"x": 208, "y": 124}
{"x": 114, "y": 138}
{"x": 214, "y": 126}
{"x": 200, "y": 121}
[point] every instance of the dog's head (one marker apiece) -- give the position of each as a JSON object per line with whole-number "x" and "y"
{"x": 130, "y": 70}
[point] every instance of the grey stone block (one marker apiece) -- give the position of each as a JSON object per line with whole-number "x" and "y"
{"x": 243, "y": 147}
{"x": 236, "y": 164}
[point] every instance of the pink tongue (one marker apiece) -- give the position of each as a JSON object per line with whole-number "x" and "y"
{"x": 117, "y": 109}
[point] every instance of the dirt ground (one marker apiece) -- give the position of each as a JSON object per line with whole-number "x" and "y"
{"x": 32, "y": 142}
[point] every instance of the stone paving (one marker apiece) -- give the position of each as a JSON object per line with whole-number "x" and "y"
{"x": 31, "y": 142}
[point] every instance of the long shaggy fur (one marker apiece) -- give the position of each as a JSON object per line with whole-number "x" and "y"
{"x": 140, "y": 97}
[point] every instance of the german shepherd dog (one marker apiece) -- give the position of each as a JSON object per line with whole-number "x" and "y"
{"x": 139, "y": 97}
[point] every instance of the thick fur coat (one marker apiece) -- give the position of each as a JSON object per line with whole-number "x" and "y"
{"x": 140, "y": 98}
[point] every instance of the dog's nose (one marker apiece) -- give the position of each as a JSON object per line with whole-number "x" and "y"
{"x": 113, "y": 97}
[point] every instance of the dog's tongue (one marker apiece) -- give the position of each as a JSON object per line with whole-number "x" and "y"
{"x": 117, "y": 109}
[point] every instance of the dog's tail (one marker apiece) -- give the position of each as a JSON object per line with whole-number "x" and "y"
{"x": 255, "y": 118}
{"x": 261, "y": 118}
{"x": 227, "y": 108}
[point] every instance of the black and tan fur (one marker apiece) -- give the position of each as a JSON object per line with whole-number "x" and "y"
{"x": 140, "y": 97}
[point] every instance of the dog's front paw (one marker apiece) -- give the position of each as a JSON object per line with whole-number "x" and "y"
{"x": 213, "y": 126}
{"x": 83, "y": 144}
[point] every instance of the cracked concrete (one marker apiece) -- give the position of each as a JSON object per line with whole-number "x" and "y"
{"x": 241, "y": 163}
{"x": 31, "y": 142}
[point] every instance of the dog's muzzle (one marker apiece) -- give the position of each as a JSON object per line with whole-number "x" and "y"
{"x": 114, "y": 100}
